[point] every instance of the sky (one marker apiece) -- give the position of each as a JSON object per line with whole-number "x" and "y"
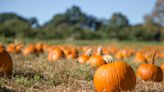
{"x": 44, "y": 10}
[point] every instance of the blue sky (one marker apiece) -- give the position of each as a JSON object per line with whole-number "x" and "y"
{"x": 44, "y": 10}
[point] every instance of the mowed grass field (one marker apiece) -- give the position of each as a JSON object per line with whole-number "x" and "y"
{"x": 33, "y": 73}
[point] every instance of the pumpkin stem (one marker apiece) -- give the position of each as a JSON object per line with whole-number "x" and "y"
{"x": 108, "y": 58}
{"x": 153, "y": 60}
{"x": 89, "y": 52}
{"x": 99, "y": 50}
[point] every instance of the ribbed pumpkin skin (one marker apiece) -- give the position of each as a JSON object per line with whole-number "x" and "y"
{"x": 149, "y": 72}
{"x": 114, "y": 77}
{"x": 96, "y": 60}
{"x": 6, "y": 64}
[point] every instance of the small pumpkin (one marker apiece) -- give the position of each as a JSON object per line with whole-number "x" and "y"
{"x": 30, "y": 49}
{"x": 55, "y": 54}
{"x": 119, "y": 55}
{"x": 18, "y": 47}
{"x": 150, "y": 72}
{"x": 6, "y": 64}
{"x": 114, "y": 77}
{"x": 97, "y": 59}
{"x": 39, "y": 47}
{"x": 85, "y": 57}
{"x": 11, "y": 48}
{"x": 140, "y": 57}
{"x": 72, "y": 54}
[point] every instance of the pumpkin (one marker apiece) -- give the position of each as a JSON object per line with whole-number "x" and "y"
{"x": 30, "y": 49}
{"x": 39, "y": 47}
{"x": 114, "y": 77}
{"x": 72, "y": 54}
{"x": 18, "y": 47}
{"x": 85, "y": 57}
{"x": 6, "y": 64}
{"x": 119, "y": 55}
{"x": 97, "y": 59}
{"x": 45, "y": 47}
{"x": 55, "y": 54}
{"x": 150, "y": 72}
{"x": 11, "y": 48}
{"x": 162, "y": 66}
{"x": 140, "y": 57}
{"x": 113, "y": 49}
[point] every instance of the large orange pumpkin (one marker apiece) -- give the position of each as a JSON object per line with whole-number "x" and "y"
{"x": 114, "y": 77}
{"x": 162, "y": 66}
{"x": 150, "y": 72}
{"x": 6, "y": 64}
{"x": 55, "y": 54}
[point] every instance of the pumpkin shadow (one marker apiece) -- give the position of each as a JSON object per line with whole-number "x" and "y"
{"x": 4, "y": 89}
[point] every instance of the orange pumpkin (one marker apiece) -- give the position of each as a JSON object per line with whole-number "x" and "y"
{"x": 18, "y": 47}
{"x": 140, "y": 57}
{"x": 162, "y": 66}
{"x": 30, "y": 49}
{"x": 55, "y": 54}
{"x": 119, "y": 55}
{"x": 39, "y": 47}
{"x": 72, "y": 54}
{"x": 97, "y": 59}
{"x": 11, "y": 48}
{"x": 114, "y": 77}
{"x": 85, "y": 57}
{"x": 6, "y": 64}
{"x": 45, "y": 47}
{"x": 150, "y": 72}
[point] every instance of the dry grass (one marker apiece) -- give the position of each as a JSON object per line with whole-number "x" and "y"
{"x": 35, "y": 73}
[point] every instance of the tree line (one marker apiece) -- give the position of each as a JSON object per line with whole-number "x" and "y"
{"x": 76, "y": 24}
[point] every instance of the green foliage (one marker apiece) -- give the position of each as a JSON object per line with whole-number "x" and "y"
{"x": 118, "y": 21}
{"x": 75, "y": 24}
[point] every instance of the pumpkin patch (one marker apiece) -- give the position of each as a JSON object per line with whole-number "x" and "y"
{"x": 110, "y": 67}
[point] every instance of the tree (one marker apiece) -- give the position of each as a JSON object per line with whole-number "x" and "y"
{"x": 157, "y": 15}
{"x": 33, "y": 22}
{"x": 118, "y": 21}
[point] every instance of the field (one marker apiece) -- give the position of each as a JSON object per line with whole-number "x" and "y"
{"x": 35, "y": 73}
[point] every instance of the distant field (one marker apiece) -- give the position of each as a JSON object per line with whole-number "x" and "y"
{"x": 83, "y": 42}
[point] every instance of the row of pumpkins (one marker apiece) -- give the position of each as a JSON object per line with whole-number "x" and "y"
{"x": 111, "y": 75}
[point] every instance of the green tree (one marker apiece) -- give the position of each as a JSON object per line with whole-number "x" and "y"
{"x": 118, "y": 21}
